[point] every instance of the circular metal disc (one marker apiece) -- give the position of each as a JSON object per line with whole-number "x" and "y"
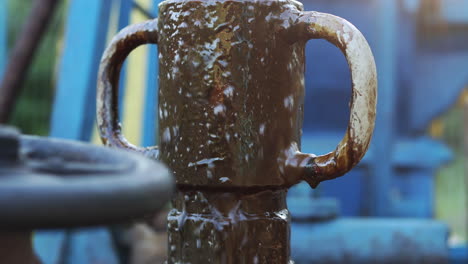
{"x": 59, "y": 183}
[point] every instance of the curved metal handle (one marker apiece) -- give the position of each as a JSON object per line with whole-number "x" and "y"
{"x": 353, "y": 146}
{"x": 121, "y": 45}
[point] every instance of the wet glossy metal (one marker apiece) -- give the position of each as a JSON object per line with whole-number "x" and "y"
{"x": 232, "y": 84}
{"x": 229, "y": 227}
{"x": 231, "y": 79}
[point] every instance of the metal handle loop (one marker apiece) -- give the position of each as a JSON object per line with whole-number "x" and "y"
{"x": 353, "y": 146}
{"x": 121, "y": 45}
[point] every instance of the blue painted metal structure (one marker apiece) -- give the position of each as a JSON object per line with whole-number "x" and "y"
{"x": 356, "y": 240}
{"x": 458, "y": 255}
{"x": 418, "y": 80}
{"x": 91, "y": 246}
{"x": 318, "y": 235}
{"x": 85, "y": 38}
{"x": 73, "y": 118}
{"x": 74, "y": 109}
{"x": 150, "y": 116}
{"x": 385, "y": 52}
{"x": 396, "y": 176}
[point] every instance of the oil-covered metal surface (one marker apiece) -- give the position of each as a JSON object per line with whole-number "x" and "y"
{"x": 107, "y": 93}
{"x": 231, "y": 78}
{"x": 229, "y": 227}
{"x": 232, "y": 90}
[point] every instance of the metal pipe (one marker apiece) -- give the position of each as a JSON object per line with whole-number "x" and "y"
{"x": 22, "y": 55}
{"x": 365, "y": 241}
{"x": 385, "y": 57}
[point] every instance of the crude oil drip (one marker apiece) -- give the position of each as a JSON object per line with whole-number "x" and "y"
{"x": 231, "y": 80}
{"x": 229, "y": 227}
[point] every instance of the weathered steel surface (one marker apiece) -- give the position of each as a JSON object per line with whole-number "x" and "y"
{"x": 107, "y": 95}
{"x": 216, "y": 100}
{"x": 230, "y": 112}
{"x": 229, "y": 227}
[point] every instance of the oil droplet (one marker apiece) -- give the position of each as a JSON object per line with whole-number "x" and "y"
{"x": 261, "y": 130}
{"x": 224, "y": 179}
{"x": 166, "y": 135}
{"x": 219, "y": 109}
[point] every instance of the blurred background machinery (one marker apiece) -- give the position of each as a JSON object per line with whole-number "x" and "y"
{"x": 423, "y": 72}
{"x": 414, "y": 169}
{"x": 423, "y": 69}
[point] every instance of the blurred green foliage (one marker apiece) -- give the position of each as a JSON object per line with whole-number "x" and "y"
{"x": 451, "y": 181}
{"x": 33, "y": 108}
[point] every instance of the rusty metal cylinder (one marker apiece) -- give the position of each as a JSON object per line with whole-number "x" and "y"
{"x": 231, "y": 92}
{"x": 229, "y": 227}
{"x": 231, "y": 99}
{"x": 230, "y": 86}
